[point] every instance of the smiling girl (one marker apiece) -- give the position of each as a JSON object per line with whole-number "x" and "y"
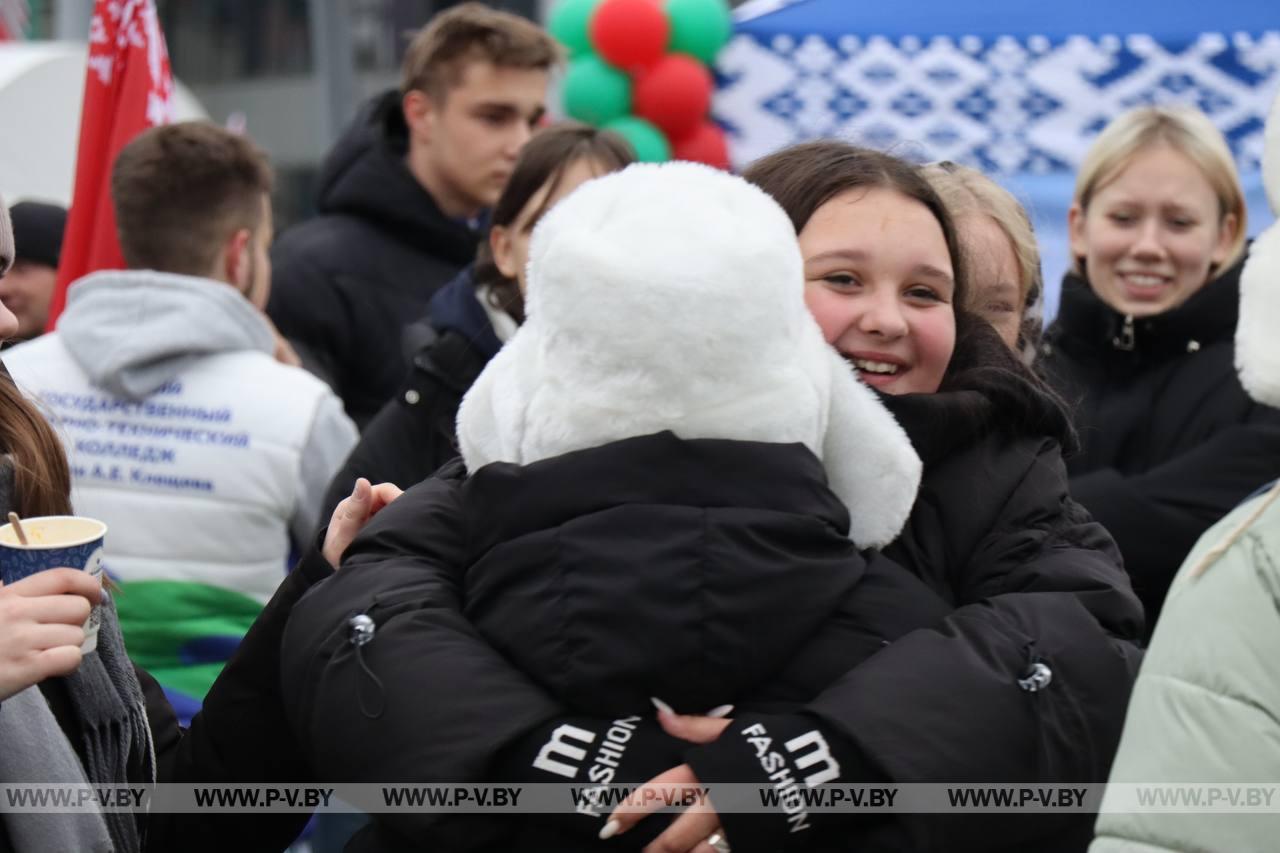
{"x": 1143, "y": 342}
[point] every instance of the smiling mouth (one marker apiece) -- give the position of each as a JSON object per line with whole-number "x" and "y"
{"x": 1144, "y": 280}
{"x": 880, "y": 368}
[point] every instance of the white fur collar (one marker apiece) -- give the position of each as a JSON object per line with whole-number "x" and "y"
{"x": 672, "y": 297}
{"x": 1257, "y": 345}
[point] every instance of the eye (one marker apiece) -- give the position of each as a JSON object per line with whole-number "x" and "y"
{"x": 1181, "y": 223}
{"x": 925, "y": 293}
{"x": 842, "y": 280}
{"x": 1122, "y": 218}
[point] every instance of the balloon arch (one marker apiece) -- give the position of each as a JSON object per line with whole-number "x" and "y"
{"x": 642, "y": 68}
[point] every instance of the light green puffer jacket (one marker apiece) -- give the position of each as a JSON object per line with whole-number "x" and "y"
{"x": 1206, "y": 707}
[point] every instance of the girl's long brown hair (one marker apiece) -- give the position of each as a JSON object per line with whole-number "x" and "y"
{"x": 41, "y": 477}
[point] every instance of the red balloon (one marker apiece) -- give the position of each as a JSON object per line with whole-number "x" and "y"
{"x": 707, "y": 144}
{"x": 630, "y": 34}
{"x": 675, "y": 94}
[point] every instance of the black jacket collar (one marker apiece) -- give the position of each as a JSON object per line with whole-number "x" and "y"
{"x": 1085, "y": 324}
{"x": 505, "y": 500}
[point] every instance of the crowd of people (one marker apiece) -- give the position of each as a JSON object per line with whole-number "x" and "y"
{"x": 777, "y": 474}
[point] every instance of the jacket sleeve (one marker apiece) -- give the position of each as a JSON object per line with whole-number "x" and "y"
{"x": 1205, "y": 702}
{"x": 1044, "y": 586}
{"x": 330, "y": 439}
{"x": 945, "y": 704}
{"x": 241, "y": 735}
{"x": 1156, "y": 517}
{"x": 426, "y": 699}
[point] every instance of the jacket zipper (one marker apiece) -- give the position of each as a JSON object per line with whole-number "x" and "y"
{"x": 1124, "y": 341}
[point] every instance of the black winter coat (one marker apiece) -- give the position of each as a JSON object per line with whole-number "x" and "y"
{"x": 1170, "y": 440}
{"x": 415, "y": 432}
{"x": 346, "y": 283}
{"x": 1013, "y": 574}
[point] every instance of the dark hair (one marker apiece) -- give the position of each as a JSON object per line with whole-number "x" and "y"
{"x": 469, "y": 32}
{"x": 41, "y": 476}
{"x": 543, "y": 161}
{"x": 181, "y": 191}
{"x": 802, "y": 178}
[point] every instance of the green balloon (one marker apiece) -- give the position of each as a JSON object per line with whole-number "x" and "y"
{"x": 570, "y": 23}
{"x": 649, "y": 143}
{"x": 699, "y": 27}
{"x": 596, "y": 92}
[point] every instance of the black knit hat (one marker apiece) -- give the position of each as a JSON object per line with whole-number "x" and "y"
{"x": 37, "y": 231}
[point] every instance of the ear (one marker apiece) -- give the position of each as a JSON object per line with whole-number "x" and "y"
{"x": 236, "y": 260}
{"x": 500, "y": 245}
{"x": 419, "y": 114}
{"x": 1226, "y": 237}
{"x": 1075, "y": 231}
{"x": 869, "y": 460}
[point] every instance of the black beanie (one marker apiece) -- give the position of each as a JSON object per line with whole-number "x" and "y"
{"x": 37, "y": 231}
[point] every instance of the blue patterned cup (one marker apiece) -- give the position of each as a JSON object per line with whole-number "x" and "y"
{"x": 56, "y": 541}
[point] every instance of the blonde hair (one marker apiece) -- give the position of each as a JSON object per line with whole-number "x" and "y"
{"x": 1186, "y": 130}
{"x": 968, "y": 192}
{"x": 441, "y": 50}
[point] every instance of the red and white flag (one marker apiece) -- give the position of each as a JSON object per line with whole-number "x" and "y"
{"x": 14, "y": 15}
{"x": 128, "y": 88}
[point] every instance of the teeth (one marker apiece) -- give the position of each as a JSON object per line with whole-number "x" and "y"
{"x": 1144, "y": 280}
{"x": 875, "y": 366}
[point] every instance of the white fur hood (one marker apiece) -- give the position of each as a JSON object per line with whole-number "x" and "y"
{"x": 671, "y": 297}
{"x": 1257, "y": 345}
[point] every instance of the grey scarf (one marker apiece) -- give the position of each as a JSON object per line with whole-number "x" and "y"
{"x": 114, "y": 739}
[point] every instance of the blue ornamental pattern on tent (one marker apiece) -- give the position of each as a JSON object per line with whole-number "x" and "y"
{"x": 1010, "y": 106}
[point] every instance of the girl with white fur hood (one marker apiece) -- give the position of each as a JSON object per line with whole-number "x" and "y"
{"x": 664, "y": 508}
{"x": 1205, "y": 706}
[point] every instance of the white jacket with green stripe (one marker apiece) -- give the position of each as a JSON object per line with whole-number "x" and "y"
{"x": 201, "y": 453}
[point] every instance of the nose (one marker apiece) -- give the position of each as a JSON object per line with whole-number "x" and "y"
{"x": 1149, "y": 243}
{"x": 883, "y": 315}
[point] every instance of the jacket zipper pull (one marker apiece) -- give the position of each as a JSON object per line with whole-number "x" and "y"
{"x": 1124, "y": 340}
{"x": 361, "y": 630}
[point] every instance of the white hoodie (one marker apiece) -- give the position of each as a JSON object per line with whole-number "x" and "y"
{"x": 199, "y": 451}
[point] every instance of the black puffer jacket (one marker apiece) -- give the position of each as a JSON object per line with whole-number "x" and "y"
{"x": 1014, "y": 574}
{"x": 345, "y": 284}
{"x": 415, "y": 432}
{"x": 1170, "y": 440}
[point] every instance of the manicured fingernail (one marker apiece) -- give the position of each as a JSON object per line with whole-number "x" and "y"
{"x": 720, "y": 711}
{"x": 610, "y": 830}
{"x": 661, "y": 706}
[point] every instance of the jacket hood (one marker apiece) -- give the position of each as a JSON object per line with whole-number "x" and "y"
{"x": 132, "y": 331}
{"x": 455, "y": 307}
{"x": 671, "y": 297}
{"x": 365, "y": 175}
{"x": 1257, "y": 348}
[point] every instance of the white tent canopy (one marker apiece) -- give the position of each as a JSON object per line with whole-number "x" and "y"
{"x": 41, "y": 89}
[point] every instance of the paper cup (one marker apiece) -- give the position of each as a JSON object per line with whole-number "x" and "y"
{"x": 56, "y": 541}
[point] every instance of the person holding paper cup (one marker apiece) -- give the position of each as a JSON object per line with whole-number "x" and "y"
{"x": 74, "y": 710}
